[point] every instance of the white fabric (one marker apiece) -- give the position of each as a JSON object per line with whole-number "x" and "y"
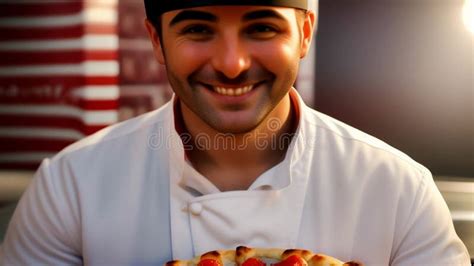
{"x": 349, "y": 195}
{"x": 195, "y": 181}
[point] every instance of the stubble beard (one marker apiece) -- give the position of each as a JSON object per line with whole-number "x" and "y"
{"x": 190, "y": 96}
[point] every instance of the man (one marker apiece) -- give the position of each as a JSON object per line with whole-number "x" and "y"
{"x": 235, "y": 158}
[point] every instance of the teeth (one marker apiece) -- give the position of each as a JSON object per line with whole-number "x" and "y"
{"x": 233, "y": 91}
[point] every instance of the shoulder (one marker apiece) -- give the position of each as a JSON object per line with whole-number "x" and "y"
{"x": 358, "y": 156}
{"x": 385, "y": 193}
{"x": 352, "y": 139}
{"x": 116, "y": 149}
{"x": 121, "y": 133}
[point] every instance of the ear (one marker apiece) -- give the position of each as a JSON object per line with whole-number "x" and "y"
{"x": 307, "y": 32}
{"x": 155, "y": 40}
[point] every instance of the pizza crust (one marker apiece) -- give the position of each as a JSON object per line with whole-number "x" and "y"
{"x": 241, "y": 254}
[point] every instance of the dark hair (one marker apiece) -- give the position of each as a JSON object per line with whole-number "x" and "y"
{"x": 159, "y": 30}
{"x": 151, "y": 6}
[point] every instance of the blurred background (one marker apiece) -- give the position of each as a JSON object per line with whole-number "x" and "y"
{"x": 401, "y": 70}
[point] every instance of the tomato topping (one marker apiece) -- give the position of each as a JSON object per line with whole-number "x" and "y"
{"x": 253, "y": 262}
{"x": 209, "y": 262}
{"x": 290, "y": 261}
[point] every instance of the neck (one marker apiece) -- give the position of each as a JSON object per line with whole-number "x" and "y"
{"x": 248, "y": 154}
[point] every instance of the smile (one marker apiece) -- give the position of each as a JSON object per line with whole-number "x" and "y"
{"x": 233, "y": 91}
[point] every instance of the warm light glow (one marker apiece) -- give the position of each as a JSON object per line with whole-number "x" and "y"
{"x": 468, "y": 14}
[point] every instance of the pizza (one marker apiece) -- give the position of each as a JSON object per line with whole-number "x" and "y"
{"x": 245, "y": 256}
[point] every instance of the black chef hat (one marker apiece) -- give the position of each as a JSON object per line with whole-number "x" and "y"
{"x": 154, "y": 8}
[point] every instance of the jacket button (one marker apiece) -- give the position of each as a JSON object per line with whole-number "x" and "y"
{"x": 195, "y": 208}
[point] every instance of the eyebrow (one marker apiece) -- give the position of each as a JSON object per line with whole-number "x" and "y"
{"x": 259, "y": 14}
{"x": 192, "y": 15}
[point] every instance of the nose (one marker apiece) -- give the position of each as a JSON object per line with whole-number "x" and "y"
{"x": 231, "y": 57}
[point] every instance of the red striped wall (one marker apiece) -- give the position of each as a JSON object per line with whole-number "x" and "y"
{"x": 58, "y": 76}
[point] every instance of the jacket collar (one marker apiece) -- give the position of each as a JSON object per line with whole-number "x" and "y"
{"x": 290, "y": 168}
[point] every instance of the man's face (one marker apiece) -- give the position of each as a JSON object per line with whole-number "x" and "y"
{"x": 231, "y": 65}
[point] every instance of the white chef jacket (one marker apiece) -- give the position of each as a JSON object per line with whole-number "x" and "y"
{"x": 123, "y": 196}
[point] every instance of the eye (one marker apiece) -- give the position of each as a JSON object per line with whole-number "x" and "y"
{"x": 262, "y": 31}
{"x": 197, "y": 32}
